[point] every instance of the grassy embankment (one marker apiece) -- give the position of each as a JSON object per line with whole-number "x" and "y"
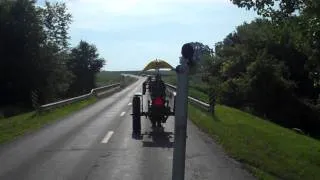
{"x": 265, "y": 149}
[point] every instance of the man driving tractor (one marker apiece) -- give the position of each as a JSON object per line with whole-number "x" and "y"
{"x": 158, "y": 95}
{"x": 157, "y": 87}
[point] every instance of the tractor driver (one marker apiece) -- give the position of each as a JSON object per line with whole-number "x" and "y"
{"x": 157, "y": 91}
{"x": 158, "y": 87}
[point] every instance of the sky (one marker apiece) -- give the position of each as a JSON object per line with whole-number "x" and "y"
{"x": 130, "y": 33}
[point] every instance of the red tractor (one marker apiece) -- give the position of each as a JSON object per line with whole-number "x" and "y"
{"x": 158, "y": 109}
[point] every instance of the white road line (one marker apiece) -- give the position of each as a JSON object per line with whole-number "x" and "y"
{"x": 129, "y": 104}
{"x": 107, "y": 137}
{"x": 123, "y": 113}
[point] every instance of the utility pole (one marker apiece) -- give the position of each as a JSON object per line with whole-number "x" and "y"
{"x": 181, "y": 113}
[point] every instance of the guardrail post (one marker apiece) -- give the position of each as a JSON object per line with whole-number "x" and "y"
{"x": 212, "y": 102}
{"x": 122, "y": 81}
{"x": 35, "y": 99}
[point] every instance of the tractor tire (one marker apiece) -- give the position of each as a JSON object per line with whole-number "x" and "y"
{"x": 136, "y": 115}
{"x": 174, "y": 104}
{"x": 144, "y": 88}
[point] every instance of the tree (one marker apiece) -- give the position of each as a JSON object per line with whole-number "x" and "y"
{"x": 301, "y": 15}
{"x": 33, "y": 53}
{"x": 261, "y": 67}
{"x": 56, "y": 22}
{"x": 204, "y": 53}
{"x": 21, "y": 36}
{"x": 84, "y": 63}
{"x": 280, "y": 8}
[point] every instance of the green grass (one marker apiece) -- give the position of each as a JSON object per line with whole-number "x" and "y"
{"x": 170, "y": 79}
{"x": 266, "y": 149}
{"x": 13, "y": 127}
{"x": 107, "y": 77}
{"x": 196, "y": 89}
{"x": 198, "y": 95}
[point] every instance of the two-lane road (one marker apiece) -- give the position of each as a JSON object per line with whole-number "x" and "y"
{"x": 96, "y": 143}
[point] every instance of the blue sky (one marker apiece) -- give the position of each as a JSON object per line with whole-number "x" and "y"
{"x": 130, "y": 33}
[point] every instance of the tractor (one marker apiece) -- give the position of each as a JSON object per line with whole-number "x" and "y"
{"x": 158, "y": 108}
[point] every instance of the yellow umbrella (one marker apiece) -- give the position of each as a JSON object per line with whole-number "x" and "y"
{"x": 158, "y": 64}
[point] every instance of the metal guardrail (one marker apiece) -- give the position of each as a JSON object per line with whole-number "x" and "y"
{"x": 192, "y": 100}
{"x": 93, "y": 92}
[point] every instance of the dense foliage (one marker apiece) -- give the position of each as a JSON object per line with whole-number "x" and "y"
{"x": 271, "y": 66}
{"x": 36, "y": 57}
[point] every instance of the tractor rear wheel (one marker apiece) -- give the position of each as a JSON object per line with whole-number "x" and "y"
{"x": 136, "y": 115}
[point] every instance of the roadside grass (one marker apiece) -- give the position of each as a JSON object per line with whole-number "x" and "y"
{"x": 196, "y": 90}
{"x": 267, "y": 150}
{"x": 104, "y": 78}
{"x": 107, "y": 77}
{"x": 198, "y": 95}
{"x": 170, "y": 79}
{"x": 13, "y": 127}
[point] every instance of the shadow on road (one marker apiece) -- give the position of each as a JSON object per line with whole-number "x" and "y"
{"x": 137, "y": 136}
{"x": 159, "y": 139}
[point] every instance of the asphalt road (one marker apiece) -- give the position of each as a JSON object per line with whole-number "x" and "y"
{"x": 95, "y": 143}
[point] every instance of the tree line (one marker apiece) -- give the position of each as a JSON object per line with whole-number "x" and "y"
{"x": 271, "y": 66}
{"x": 36, "y": 57}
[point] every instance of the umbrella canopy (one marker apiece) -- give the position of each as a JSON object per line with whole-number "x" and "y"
{"x": 157, "y": 64}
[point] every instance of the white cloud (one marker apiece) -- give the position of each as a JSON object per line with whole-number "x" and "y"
{"x": 148, "y": 29}
{"x": 134, "y": 7}
{"x": 109, "y": 15}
